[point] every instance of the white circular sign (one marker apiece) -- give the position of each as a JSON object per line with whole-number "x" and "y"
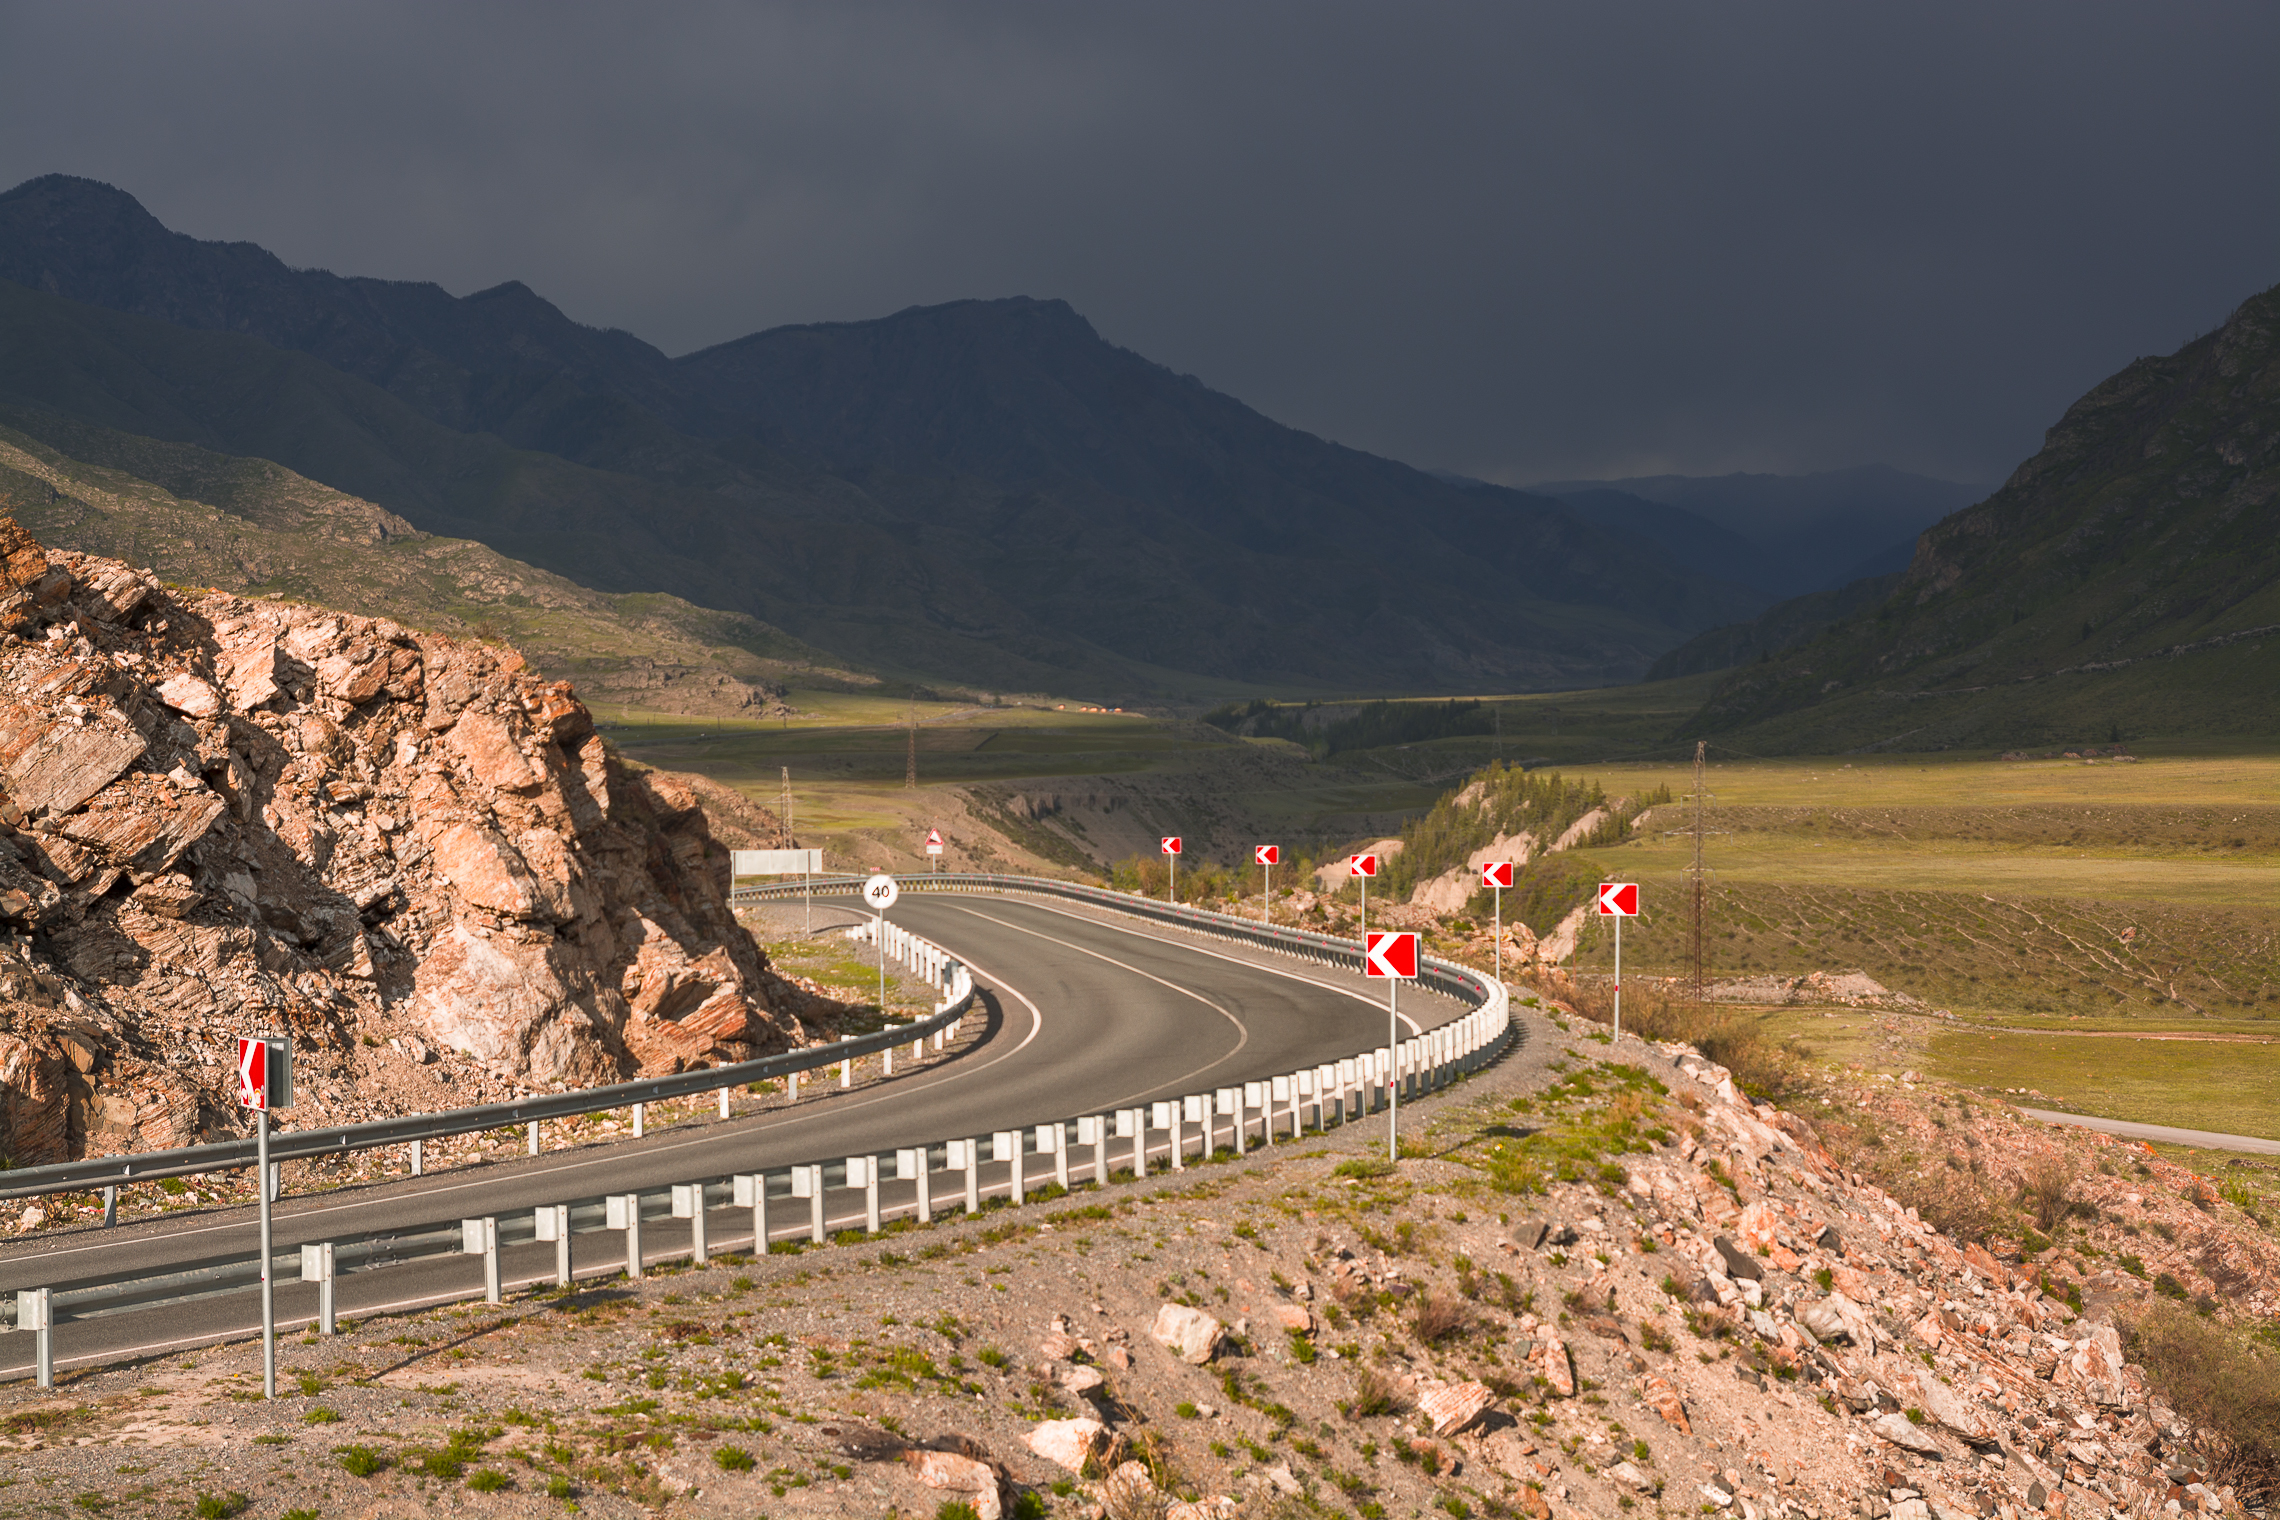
{"x": 880, "y": 892}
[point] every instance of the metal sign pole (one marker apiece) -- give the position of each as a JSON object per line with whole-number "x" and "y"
{"x": 268, "y": 1286}
{"x": 1266, "y": 893}
{"x": 1393, "y": 1069}
{"x": 1499, "y": 952}
{"x": 1172, "y": 891}
{"x": 1618, "y": 976}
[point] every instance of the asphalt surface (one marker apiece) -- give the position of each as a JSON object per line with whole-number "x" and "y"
{"x": 1087, "y": 1012}
{"x": 2205, "y": 1139}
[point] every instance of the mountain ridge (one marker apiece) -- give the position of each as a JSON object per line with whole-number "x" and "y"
{"x": 985, "y": 491}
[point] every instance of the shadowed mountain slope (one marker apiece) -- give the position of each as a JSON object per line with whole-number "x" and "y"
{"x": 2125, "y": 582}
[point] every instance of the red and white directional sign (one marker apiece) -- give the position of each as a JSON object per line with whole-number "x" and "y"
{"x": 1169, "y": 844}
{"x": 1619, "y": 899}
{"x": 265, "y": 1072}
{"x": 1390, "y": 954}
{"x": 1267, "y": 854}
{"x": 933, "y": 841}
{"x": 1362, "y": 865}
{"x": 1496, "y": 873}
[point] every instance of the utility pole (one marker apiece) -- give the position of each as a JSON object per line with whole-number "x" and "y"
{"x": 910, "y": 772}
{"x": 1696, "y": 876}
{"x": 807, "y": 884}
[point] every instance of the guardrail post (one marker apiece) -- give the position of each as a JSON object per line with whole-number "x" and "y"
{"x": 792, "y": 1088}
{"x": 110, "y": 1207}
{"x": 1280, "y": 1091}
{"x": 749, "y": 1190}
{"x": 1197, "y": 1111}
{"x": 1170, "y": 1115}
{"x": 689, "y": 1204}
{"x": 35, "y": 1312}
{"x": 863, "y": 1172}
{"x": 807, "y": 1182}
{"x": 1053, "y": 1139}
{"x": 1229, "y": 1101}
{"x": 419, "y": 1148}
{"x": 1132, "y": 1124}
{"x": 622, "y": 1211}
{"x": 480, "y": 1237}
{"x": 966, "y": 1156}
{"x": 911, "y": 1165}
{"x": 640, "y": 1120}
{"x": 1005, "y": 1145}
{"x": 887, "y": 1067}
{"x": 846, "y": 1072}
{"x": 317, "y": 1267}
{"x": 724, "y": 1102}
{"x": 1092, "y": 1130}
{"x": 534, "y": 1137}
{"x": 553, "y": 1223}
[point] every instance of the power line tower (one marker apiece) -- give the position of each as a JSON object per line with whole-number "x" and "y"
{"x": 910, "y": 771}
{"x": 784, "y": 811}
{"x": 1697, "y": 877}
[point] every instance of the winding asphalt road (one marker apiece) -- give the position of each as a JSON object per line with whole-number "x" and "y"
{"x": 1086, "y": 1012}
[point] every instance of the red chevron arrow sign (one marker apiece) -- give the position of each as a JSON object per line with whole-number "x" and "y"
{"x": 1390, "y": 954}
{"x": 1496, "y": 873}
{"x": 1619, "y": 899}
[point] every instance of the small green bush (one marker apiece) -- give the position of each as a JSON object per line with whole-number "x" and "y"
{"x": 488, "y": 1480}
{"x": 320, "y": 1415}
{"x": 220, "y": 1506}
{"x": 733, "y": 1459}
{"x": 362, "y": 1461}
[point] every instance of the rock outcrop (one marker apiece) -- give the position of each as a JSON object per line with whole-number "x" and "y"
{"x": 410, "y": 853}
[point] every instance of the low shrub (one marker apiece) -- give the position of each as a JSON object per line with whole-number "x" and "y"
{"x": 2221, "y": 1381}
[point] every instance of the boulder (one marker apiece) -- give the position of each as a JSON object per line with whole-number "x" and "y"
{"x": 1068, "y": 1443}
{"x": 1455, "y": 1407}
{"x": 1189, "y": 1334}
{"x": 956, "y": 1474}
{"x": 1904, "y": 1432}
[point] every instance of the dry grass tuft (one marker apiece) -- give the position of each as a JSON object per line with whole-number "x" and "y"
{"x": 1440, "y": 1317}
{"x": 2223, "y": 1383}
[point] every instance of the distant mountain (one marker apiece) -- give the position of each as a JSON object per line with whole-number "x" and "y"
{"x": 1811, "y": 532}
{"x": 983, "y": 492}
{"x": 1779, "y": 628}
{"x": 2123, "y": 583}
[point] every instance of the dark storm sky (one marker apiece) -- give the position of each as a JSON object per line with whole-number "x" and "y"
{"x": 1517, "y": 241}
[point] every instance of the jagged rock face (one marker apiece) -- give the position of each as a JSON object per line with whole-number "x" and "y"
{"x": 220, "y": 815}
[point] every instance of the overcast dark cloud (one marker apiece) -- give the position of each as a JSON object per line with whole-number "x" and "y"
{"x": 1516, "y": 241}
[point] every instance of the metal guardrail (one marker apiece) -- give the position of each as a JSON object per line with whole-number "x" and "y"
{"x": 1340, "y": 1091}
{"x": 291, "y": 1145}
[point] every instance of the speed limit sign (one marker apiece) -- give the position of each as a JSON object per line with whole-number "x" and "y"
{"x": 880, "y": 892}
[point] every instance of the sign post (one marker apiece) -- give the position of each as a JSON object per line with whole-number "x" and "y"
{"x": 880, "y": 892}
{"x": 265, "y": 1081}
{"x": 1170, "y": 845}
{"x": 1496, "y": 875}
{"x": 1363, "y": 868}
{"x": 1266, "y": 855}
{"x": 1394, "y": 957}
{"x": 1618, "y": 900}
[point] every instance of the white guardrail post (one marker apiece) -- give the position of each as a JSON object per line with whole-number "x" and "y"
{"x": 480, "y": 1237}
{"x": 35, "y": 1312}
{"x": 749, "y": 1190}
{"x": 807, "y": 1182}
{"x": 622, "y": 1211}
{"x": 689, "y": 1204}
{"x": 317, "y": 1267}
{"x": 552, "y": 1223}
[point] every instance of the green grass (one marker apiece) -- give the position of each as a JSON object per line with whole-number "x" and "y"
{"x": 2228, "y": 1087}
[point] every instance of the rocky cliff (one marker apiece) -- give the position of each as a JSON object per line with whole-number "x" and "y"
{"x": 412, "y": 854}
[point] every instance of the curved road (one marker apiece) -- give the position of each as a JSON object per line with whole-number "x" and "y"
{"x": 1087, "y": 1012}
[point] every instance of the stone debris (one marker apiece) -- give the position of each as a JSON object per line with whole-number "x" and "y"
{"x": 220, "y": 815}
{"x": 1067, "y": 1443}
{"x": 975, "y": 1480}
{"x": 1189, "y": 1334}
{"x": 1453, "y": 1408}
